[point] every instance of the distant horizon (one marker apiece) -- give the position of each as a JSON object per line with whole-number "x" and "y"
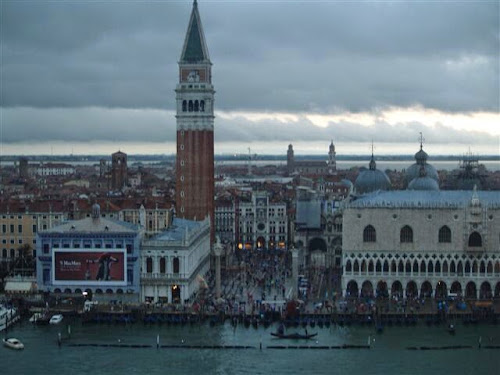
{"x": 276, "y": 148}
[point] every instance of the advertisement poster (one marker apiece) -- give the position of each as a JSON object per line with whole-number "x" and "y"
{"x": 89, "y": 267}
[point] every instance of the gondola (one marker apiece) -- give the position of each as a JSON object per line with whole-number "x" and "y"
{"x": 294, "y": 336}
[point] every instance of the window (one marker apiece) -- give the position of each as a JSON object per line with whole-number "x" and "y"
{"x": 19, "y": 228}
{"x": 369, "y": 234}
{"x": 129, "y": 249}
{"x": 475, "y": 240}
{"x": 406, "y": 235}
{"x": 34, "y": 228}
{"x": 4, "y": 228}
{"x": 184, "y": 106}
{"x": 149, "y": 265}
{"x": 444, "y": 234}
{"x": 11, "y": 228}
{"x": 162, "y": 265}
{"x": 176, "y": 265}
{"x": 45, "y": 248}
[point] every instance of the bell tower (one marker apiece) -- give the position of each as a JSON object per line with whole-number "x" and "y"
{"x": 195, "y": 127}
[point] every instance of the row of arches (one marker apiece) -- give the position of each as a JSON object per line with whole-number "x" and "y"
{"x": 406, "y": 235}
{"x": 422, "y": 268}
{"x": 193, "y": 106}
{"x": 440, "y": 290}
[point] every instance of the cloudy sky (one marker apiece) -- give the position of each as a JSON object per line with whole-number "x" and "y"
{"x": 93, "y": 76}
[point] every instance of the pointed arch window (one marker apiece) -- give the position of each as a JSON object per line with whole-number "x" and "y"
{"x": 149, "y": 265}
{"x": 475, "y": 240}
{"x": 196, "y": 106}
{"x": 406, "y": 234}
{"x": 369, "y": 234}
{"x": 444, "y": 234}
{"x": 184, "y": 106}
{"x": 202, "y": 106}
{"x": 190, "y": 105}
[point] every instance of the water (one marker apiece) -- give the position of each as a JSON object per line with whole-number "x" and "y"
{"x": 398, "y": 165}
{"x": 387, "y": 356}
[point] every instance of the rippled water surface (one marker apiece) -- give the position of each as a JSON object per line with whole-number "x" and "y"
{"x": 388, "y": 354}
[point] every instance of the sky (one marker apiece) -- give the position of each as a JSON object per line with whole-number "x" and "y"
{"x": 89, "y": 77}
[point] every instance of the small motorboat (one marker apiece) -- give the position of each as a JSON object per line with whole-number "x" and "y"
{"x": 294, "y": 336}
{"x": 56, "y": 319}
{"x": 13, "y": 343}
{"x": 36, "y": 317}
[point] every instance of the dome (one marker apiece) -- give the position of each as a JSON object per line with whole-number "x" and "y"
{"x": 423, "y": 181}
{"x": 413, "y": 171}
{"x": 421, "y": 155}
{"x": 372, "y": 179}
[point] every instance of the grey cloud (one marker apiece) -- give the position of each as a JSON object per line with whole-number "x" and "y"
{"x": 305, "y": 56}
{"x": 91, "y": 124}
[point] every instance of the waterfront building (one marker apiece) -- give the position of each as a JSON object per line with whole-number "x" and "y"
{"x": 195, "y": 127}
{"x": 95, "y": 255}
{"x": 422, "y": 243}
{"x": 174, "y": 262}
{"x": 21, "y": 221}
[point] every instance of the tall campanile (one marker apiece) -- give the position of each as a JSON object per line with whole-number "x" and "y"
{"x": 195, "y": 127}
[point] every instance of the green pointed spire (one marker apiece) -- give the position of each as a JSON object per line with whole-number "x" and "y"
{"x": 195, "y": 49}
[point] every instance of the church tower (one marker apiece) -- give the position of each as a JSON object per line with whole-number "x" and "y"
{"x": 195, "y": 127}
{"x": 332, "y": 162}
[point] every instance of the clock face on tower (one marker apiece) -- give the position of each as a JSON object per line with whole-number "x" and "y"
{"x": 193, "y": 76}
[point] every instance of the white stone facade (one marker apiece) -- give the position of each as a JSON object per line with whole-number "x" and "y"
{"x": 172, "y": 261}
{"x": 428, "y": 242}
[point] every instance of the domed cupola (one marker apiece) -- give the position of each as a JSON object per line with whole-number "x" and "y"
{"x": 423, "y": 182}
{"x": 421, "y": 157}
{"x": 372, "y": 179}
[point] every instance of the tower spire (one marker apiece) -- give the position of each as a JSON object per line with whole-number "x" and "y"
{"x": 195, "y": 49}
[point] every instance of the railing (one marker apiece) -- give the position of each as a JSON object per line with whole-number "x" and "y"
{"x": 163, "y": 276}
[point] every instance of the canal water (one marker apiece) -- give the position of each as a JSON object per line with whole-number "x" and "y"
{"x": 388, "y": 353}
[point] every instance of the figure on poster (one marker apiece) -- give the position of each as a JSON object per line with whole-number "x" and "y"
{"x": 105, "y": 261}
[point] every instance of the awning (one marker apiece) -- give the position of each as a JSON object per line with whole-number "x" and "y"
{"x": 19, "y": 287}
{"x": 484, "y": 303}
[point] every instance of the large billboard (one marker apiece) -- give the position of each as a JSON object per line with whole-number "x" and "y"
{"x": 89, "y": 267}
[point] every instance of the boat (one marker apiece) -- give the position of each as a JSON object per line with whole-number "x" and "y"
{"x": 56, "y": 319}
{"x": 13, "y": 343}
{"x": 36, "y": 317}
{"x": 294, "y": 336}
{"x": 451, "y": 329}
